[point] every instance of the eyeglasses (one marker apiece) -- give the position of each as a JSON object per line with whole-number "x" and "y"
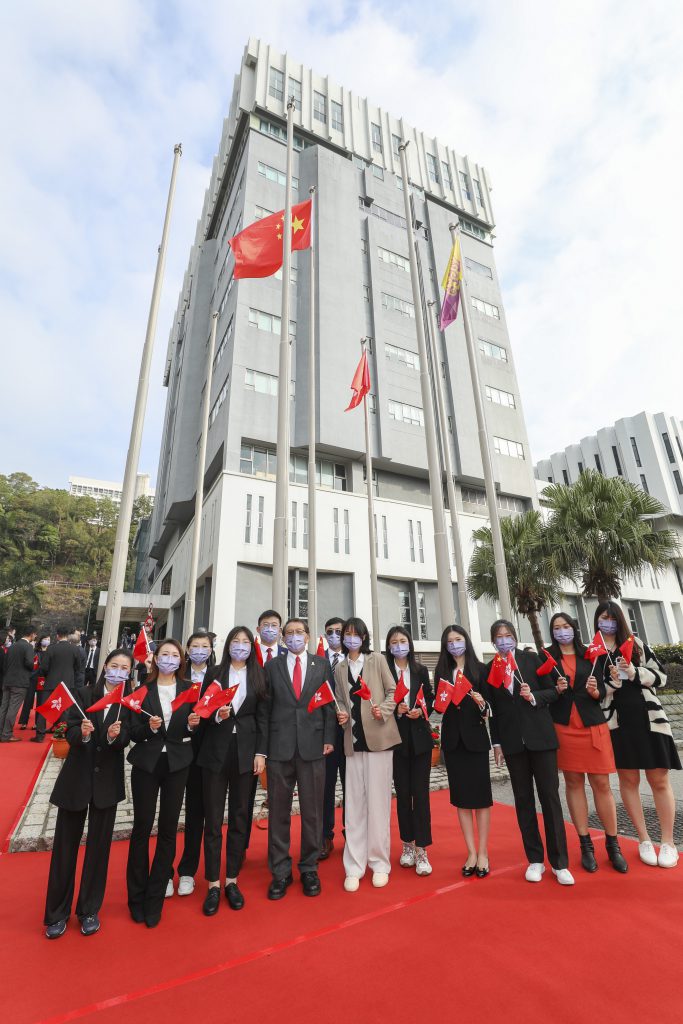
{"x": 295, "y": 632}
{"x": 332, "y": 632}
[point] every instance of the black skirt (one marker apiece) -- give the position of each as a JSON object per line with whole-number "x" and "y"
{"x": 641, "y": 749}
{"x": 469, "y": 778}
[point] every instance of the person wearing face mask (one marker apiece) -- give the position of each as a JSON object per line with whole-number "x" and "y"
{"x": 89, "y": 787}
{"x": 583, "y": 735}
{"x": 412, "y": 760}
{"x": 18, "y": 669}
{"x": 298, "y": 742}
{"x": 335, "y": 763}
{"x": 61, "y": 663}
{"x": 465, "y": 744}
{"x": 161, "y": 758}
{"x": 92, "y": 658}
{"x": 269, "y": 629}
{"x": 370, "y": 736}
{"x": 231, "y": 756}
{"x": 640, "y": 731}
{"x": 37, "y": 680}
{"x": 524, "y": 736}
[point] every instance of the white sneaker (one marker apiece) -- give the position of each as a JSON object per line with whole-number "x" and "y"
{"x": 186, "y": 885}
{"x": 379, "y": 879}
{"x": 351, "y": 883}
{"x": 422, "y": 865}
{"x": 408, "y": 856}
{"x": 564, "y": 876}
{"x": 534, "y": 873}
{"x": 647, "y": 853}
{"x": 169, "y": 888}
{"x": 668, "y": 856}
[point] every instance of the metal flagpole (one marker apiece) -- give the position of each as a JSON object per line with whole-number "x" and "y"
{"x": 374, "y": 594}
{"x": 280, "y": 559}
{"x": 464, "y": 611}
{"x": 443, "y": 566}
{"x": 489, "y": 484}
{"x": 117, "y": 579}
{"x": 191, "y": 589}
{"x": 312, "y": 539}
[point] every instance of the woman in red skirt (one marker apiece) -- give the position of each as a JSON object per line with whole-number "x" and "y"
{"x": 585, "y": 743}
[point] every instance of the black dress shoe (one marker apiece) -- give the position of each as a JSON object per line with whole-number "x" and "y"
{"x": 234, "y": 896}
{"x": 617, "y": 859}
{"x": 328, "y": 847}
{"x": 278, "y": 887}
{"x": 138, "y": 914}
{"x": 588, "y": 861}
{"x": 152, "y": 922}
{"x": 212, "y": 901}
{"x": 310, "y": 883}
{"x": 56, "y": 930}
{"x": 37, "y": 739}
{"x": 468, "y": 872}
{"x": 482, "y": 872}
{"x": 90, "y": 924}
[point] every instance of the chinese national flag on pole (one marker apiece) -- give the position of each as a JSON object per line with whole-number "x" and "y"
{"x": 627, "y": 649}
{"x": 497, "y": 673}
{"x": 461, "y": 689}
{"x": 363, "y": 690}
{"x": 360, "y": 385}
{"x": 321, "y": 647}
{"x": 258, "y": 249}
{"x": 596, "y": 648}
{"x": 218, "y": 699}
{"x": 259, "y": 652}
{"x": 134, "y": 700}
{"x": 444, "y": 695}
{"x": 141, "y": 649}
{"x": 188, "y": 696}
{"x": 548, "y": 665}
{"x": 113, "y": 697}
{"x": 54, "y": 707}
{"x": 422, "y": 703}
{"x": 401, "y": 690}
{"x": 322, "y": 696}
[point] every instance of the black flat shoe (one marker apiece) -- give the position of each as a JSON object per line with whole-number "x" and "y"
{"x": 234, "y": 896}
{"x": 56, "y": 930}
{"x": 482, "y": 872}
{"x": 138, "y": 914}
{"x": 278, "y": 887}
{"x": 616, "y": 857}
{"x": 152, "y": 922}
{"x": 588, "y": 861}
{"x": 212, "y": 901}
{"x": 468, "y": 872}
{"x": 90, "y": 924}
{"x": 310, "y": 883}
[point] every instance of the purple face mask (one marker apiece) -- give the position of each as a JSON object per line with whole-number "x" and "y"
{"x": 168, "y": 663}
{"x": 352, "y": 643}
{"x": 608, "y": 626}
{"x": 198, "y": 655}
{"x": 505, "y": 644}
{"x": 563, "y": 634}
{"x": 400, "y": 650}
{"x": 456, "y": 648}
{"x": 240, "y": 651}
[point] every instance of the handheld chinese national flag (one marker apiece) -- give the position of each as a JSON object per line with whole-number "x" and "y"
{"x": 596, "y": 648}
{"x": 59, "y": 700}
{"x": 363, "y": 690}
{"x": 444, "y": 695}
{"x": 422, "y": 703}
{"x": 259, "y": 652}
{"x": 141, "y": 649}
{"x": 360, "y": 385}
{"x": 113, "y": 697}
{"x": 461, "y": 689}
{"x": 627, "y": 649}
{"x": 497, "y": 673}
{"x": 322, "y": 696}
{"x": 401, "y": 690}
{"x": 218, "y": 699}
{"x": 188, "y": 696}
{"x": 258, "y": 249}
{"x": 134, "y": 700}
{"x": 321, "y": 648}
{"x": 548, "y": 665}
{"x": 451, "y": 284}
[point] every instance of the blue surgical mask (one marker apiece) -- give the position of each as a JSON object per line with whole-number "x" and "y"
{"x": 456, "y": 647}
{"x": 239, "y": 651}
{"x": 608, "y": 626}
{"x": 400, "y": 650}
{"x": 295, "y": 642}
{"x": 505, "y": 644}
{"x": 352, "y": 643}
{"x": 114, "y": 676}
{"x": 334, "y": 639}
{"x": 269, "y": 634}
{"x": 564, "y": 635}
{"x": 198, "y": 655}
{"x": 168, "y": 663}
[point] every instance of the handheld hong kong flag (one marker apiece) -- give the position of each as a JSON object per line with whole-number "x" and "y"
{"x": 627, "y": 648}
{"x": 218, "y": 699}
{"x": 113, "y": 697}
{"x": 451, "y": 284}
{"x": 401, "y": 690}
{"x": 510, "y": 669}
{"x": 422, "y": 703}
{"x": 461, "y": 689}
{"x": 259, "y": 652}
{"x": 360, "y": 385}
{"x": 59, "y": 700}
{"x": 322, "y": 696}
{"x": 258, "y": 249}
{"x": 141, "y": 649}
{"x": 205, "y": 699}
{"x": 363, "y": 690}
{"x": 321, "y": 648}
{"x": 134, "y": 700}
{"x": 444, "y": 695}
{"x": 596, "y": 648}
{"x": 188, "y": 696}
{"x": 548, "y": 665}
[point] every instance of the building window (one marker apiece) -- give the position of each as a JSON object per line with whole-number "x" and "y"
{"x": 276, "y": 84}
{"x": 302, "y": 597}
{"x": 406, "y": 413}
{"x": 499, "y": 397}
{"x": 376, "y": 135}
{"x": 487, "y": 308}
{"x": 247, "y": 528}
{"x": 378, "y": 171}
{"x": 677, "y": 479}
{"x": 395, "y": 143}
{"x": 643, "y": 483}
{"x": 446, "y": 174}
{"x": 503, "y": 446}
{"x": 258, "y": 461}
{"x": 617, "y": 461}
{"x": 598, "y": 464}
{"x": 565, "y": 476}
{"x": 633, "y": 622}
{"x": 465, "y": 185}
{"x": 304, "y": 533}
{"x": 337, "y": 116}
{"x": 432, "y": 169}
{"x": 473, "y": 229}
{"x": 319, "y": 109}
{"x": 478, "y": 268}
{"x": 347, "y": 533}
{"x": 382, "y": 214}
{"x": 335, "y": 527}
{"x": 372, "y": 403}
{"x": 403, "y": 355}
{"x": 220, "y": 398}
{"x": 395, "y": 258}
{"x": 420, "y": 548}
{"x": 269, "y": 322}
{"x": 295, "y": 91}
{"x": 580, "y": 468}
{"x": 260, "y": 212}
{"x": 680, "y": 447}
{"x": 363, "y": 247}
{"x": 421, "y": 615}
{"x": 488, "y": 348}
{"x": 250, "y": 519}
{"x": 274, "y": 174}
{"x": 398, "y": 305}
{"x": 478, "y": 193}
{"x": 294, "y": 523}
{"x": 223, "y": 345}
{"x": 384, "y": 538}
{"x": 166, "y": 582}
{"x": 411, "y": 540}
{"x": 330, "y": 474}
{"x": 404, "y": 609}
{"x": 636, "y": 454}
{"x": 262, "y": 383}
{"x": 669, "y": 449}
{"x": 375, "y": 484}
{"x": 366, "y": 292}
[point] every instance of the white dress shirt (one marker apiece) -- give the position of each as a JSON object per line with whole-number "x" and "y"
{"x": 291, "y": 659}
{"x": 166, "y": 696}
{"x": 356, "y": 667}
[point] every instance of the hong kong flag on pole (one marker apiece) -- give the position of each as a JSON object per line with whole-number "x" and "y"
{"x": 322, "y": 696}
{"x": 205, "y": 699}
{"x": 258, "y": 249}
{"x": 360, "y": 385}
{"x": 596, "y": 648}
{"x": 548, "y": 665}
{"x": 113, "y": 697}
{"x": 444, "y": 695}
{"x": 401, "y": 690}
{"x": 461, "y": 689}
{"x": 54, "y": 707}
{"x": 218, "y": 699}
{"x": 141, "y": 649}
{"x": 421, "y": 703}
{"x": 134, "y": 700}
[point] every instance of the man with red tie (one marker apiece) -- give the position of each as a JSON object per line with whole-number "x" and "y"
{"x": 269, "y": 631}
{"x": 298, "y": 742}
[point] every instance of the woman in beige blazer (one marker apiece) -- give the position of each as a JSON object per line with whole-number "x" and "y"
{"x": 370, "y": 734}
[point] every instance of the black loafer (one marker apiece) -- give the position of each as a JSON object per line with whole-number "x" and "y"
{"x": 90, "y": 924}
{"x": 56, "y": 930}
{"x": 212, "y": 901}
{"x": 234, "y": 896}
{"x": 310, "y": 883}
{"x": 468, "y": 872}
{"x": 138, "y": 914}
{"x": 278, "y": 887}
{"x": 482, "y": 872}
{"x": 152, "y": 922}
{"x": 328, "y": 847}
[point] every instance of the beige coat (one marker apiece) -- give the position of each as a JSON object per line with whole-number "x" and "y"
{"x": 380, "y": 734}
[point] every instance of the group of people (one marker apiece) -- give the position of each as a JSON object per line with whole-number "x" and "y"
{"x": 362, "y": 715}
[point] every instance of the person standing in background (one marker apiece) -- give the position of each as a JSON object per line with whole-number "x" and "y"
{"x": 92, "y": 660}
{"x": 18, "y": 669}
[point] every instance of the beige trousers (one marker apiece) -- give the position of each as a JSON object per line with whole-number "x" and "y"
{"x": 367, "y": 812}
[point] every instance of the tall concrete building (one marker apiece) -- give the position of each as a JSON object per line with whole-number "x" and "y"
{"x": 98, "y": 489}
{"x": 348, "y": 148}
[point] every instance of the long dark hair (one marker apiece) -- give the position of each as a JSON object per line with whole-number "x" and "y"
{"x": 495, "y": 626}
{"x": 445, "y": 666}
{"x": 361, "y": 630}
{"x": 554, "y": 647}
{"x": 624, "y": 631}
{"x": 256, "y": 677}
{"x": 98, "y": 688}
{"x": 180, "y": 672}
{"x": 404, "y": 631}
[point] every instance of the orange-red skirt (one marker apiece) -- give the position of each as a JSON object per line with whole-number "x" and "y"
{"x": 585, "y": 748}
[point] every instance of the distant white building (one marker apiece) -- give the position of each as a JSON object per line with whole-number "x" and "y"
{"x": 84, "y": 486}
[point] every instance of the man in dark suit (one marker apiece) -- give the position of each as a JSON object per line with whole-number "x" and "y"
{"x": 61, "y": 664}
{"x": 79, "y": 678}
{"x": 92, "y": 660}
{"x": 17, "y": 678}
{"x": 298, "y": 742}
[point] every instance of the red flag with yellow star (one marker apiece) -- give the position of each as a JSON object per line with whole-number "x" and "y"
{"x": 258, "y": 249}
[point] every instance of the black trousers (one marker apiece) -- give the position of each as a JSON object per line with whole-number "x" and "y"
{"x": 194, "y": 822}
{"x": 250, "y": 815}
{"x": 411, "y": 780}
{"x": 540, "y": 767}
{"x": 309, "y": 776}
{"x": 27, "y": 706}
{"x": 334, "y": 763}
{"x": 41, "y": 724}
{"x": 237, "y": 786}
{"x": 147, "y": 886}
{"x": 62, "y": 877}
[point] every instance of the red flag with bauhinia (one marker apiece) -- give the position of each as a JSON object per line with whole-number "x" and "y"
{"x": 321, "y": 648}
{"x": 510, "y": 668}
{"x": 134, "y": 700}
{"x": 205, "y": 699}
{"x": 59, "y": 700}
{"x": 360, "y": 385}
{"x": 218, "y": 699}
{"x": 112, "y": 697}
{"x": 420, "y": 700}
{"x": 363, "y": 690}
{"x": 444, "y": 695}
{"x": 141, "y": 649}
{"x": 497, "y": 673}
{"x": 548, "y": 665}
{"x": 627, "y": 649}
{"x": 258, "y": 249}
{"x": 322, "y": 696}
{"x": 188, "y": 696}
{"x": 596, "y": 648}
{"x": 259, "y": 652}
{"x": 401, "y": 690}
{"x": 461, "y": 689}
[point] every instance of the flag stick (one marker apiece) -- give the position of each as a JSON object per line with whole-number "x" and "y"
{"x": 312, "y": 538}
{"x": 374, "y": 592}
{"x": 85, "y": 717}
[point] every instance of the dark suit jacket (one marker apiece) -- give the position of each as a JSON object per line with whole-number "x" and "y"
{"x": 590, "y": 711}
{"x": 466, "y": 724}
{"x": 515, "y": 723}
{"x": 416, "y": 733}
{"x": 96, "y": 660}
{"x": 79, "y": 679}
{"x": 61, "y": 664}
{"x": 251, "y": 722}
{"x": 290, "y": 729}
{"x": 19, "y": 665}
{"x": 177, "y": 738}
{"x": 92, "y": 771}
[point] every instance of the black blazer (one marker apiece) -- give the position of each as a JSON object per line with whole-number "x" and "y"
{"x": 290, "y": 730}
{"x": 590, "y": 711}
{"x": 466, "y": 724}
{"x": 61, "y": 663}
{"x": 18, "y": 665}
{"x": 251, "y": 723}
{"x": 416, "y": 733}
{"x": 515, "y": 723}
{"x": 92, "y": 771}
{"x": 177, "y": 738}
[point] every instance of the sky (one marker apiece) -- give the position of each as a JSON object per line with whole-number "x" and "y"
{"x": 574, "y": 108}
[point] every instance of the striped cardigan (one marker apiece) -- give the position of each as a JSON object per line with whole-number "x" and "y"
{"x": 651, "y": 677}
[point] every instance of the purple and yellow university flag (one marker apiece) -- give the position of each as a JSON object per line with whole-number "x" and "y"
{"x": 451, "y": 286}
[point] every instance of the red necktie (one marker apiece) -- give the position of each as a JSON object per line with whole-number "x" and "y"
{"x": 269, "y": 655}
{"x": 296, "y": 677}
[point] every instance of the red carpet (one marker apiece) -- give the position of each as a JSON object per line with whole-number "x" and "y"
{"x": 422, "y": 948}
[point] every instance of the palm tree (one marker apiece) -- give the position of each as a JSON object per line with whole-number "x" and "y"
{"x": 602, "y": 531}
{"x": 531, "y": 578}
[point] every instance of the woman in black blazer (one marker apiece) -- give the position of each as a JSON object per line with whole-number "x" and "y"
{"x": 232, "y": 752}
{"x": 161, "y": 760}
{"x": 89, "y": 785}
{"x": 466, "y": 745}
{"x": 413, "y": 758}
